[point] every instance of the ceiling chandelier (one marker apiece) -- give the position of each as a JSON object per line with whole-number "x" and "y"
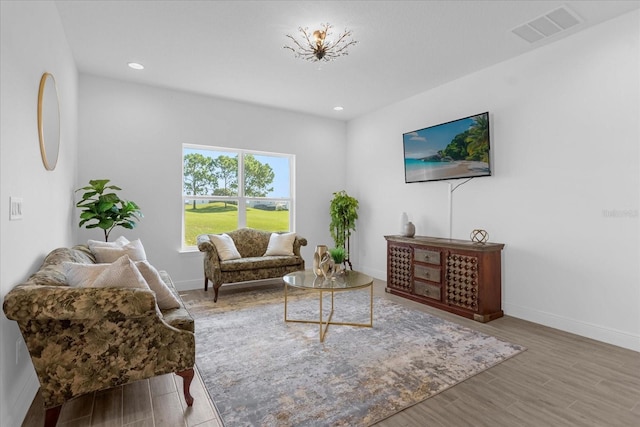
{"x": 316, "y": 47}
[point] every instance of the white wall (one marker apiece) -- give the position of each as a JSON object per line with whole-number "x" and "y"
{"x": 565, "y": 138}
{"x": 565, "y": 134}
{"x": 33, "y": 42}
{"x": 133, "y": 135}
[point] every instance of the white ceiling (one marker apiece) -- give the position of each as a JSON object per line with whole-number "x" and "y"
{"x": 234, "y": 49}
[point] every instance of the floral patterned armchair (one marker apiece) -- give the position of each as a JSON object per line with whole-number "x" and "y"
{"x": 86, "y": 339}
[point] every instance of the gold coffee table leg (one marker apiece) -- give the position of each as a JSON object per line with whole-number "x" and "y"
{"x": 320, "y": 320}
{"x": 323, "y": 331}
{"x": 286, "y": 302}
{"x": 324, "y": 325}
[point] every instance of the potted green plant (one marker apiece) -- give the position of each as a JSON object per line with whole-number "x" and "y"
{"x": 102, "y": 208}
{"x": 338, "y": 254}
{"x": 344, "y": 212}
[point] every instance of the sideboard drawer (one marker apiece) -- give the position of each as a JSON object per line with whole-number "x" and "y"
{"x": 427, "y": 290}
{"x": 427, "y": 273}
{"x": 424, "y": 255}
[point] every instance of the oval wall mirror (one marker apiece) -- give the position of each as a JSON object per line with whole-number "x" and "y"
{"x": 48, "y": 121}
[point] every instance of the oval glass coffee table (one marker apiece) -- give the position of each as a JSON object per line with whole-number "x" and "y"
{"x": 348, "y": 281}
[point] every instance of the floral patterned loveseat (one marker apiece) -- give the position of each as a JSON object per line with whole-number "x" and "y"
{"x": 87, "y": 339}
{"x": 253, "y": 265}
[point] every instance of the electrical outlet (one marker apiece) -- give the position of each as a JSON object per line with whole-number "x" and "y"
{"x": 16, "y": 208}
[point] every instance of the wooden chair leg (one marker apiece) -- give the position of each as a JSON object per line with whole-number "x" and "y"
{"x": 51, "y": 416}
{"x": 187, "y": 377}
{"x": 215, "y": 290}
{"x": 206, "y": 283}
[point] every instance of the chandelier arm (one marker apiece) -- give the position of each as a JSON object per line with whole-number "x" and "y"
{"x": 339, "y": 50}
{"x": 290, "y": 48}
{"x": 341, "y": 45}
{"x": 306, "y": 36}
{"x": 342, "y": 39}
{"x": 343, "y": 36}
{"x": 302, "y": 48}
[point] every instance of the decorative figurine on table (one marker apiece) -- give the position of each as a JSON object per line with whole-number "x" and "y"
{"x": 479, "y": 236}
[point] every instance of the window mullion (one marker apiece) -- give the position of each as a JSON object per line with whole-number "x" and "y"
{"x": 242, "y": 203}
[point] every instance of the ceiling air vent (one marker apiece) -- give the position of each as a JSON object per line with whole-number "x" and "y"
{"x": 547, "y": 25}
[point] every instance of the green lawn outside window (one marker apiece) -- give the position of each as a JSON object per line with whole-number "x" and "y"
{"x": 212, "y": 218}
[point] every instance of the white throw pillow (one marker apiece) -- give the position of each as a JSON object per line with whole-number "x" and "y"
{"x": 118, "y": 243}
{"x": 134, "y": 249}
{"x": 165, "y": 298}
{"x": 280, "y": 244}
{"x": 225, "y": 246}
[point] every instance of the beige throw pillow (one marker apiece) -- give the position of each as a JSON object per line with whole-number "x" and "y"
{"x": 124, "y": 274}
{"x": 225, "y": 246}
{"x": 80, "y": 275}
{"x": 105, "y": 254}
{"x": 280, "y": 244}
{"x": 165, "y": 298}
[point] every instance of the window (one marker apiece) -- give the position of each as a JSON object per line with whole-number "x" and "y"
{"x": 224, "y": 189}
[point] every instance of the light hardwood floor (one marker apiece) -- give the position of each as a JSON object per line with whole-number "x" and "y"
{"x": 155, "y": 402}
{"x": 561, "y": 380}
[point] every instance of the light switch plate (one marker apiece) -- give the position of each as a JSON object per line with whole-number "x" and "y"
{"x": 16, "y": 208}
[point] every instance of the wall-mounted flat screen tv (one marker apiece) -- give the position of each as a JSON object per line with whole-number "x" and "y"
{"x": 456, "y": 149}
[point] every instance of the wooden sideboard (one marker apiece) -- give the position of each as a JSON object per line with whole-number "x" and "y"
{"x": 458, "y": 276}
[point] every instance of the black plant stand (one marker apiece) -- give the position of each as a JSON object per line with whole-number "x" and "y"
{"x": 345, "y": 239}
{"x": 347, "y": 260}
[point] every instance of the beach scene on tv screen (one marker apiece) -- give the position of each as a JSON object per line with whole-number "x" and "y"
{"x": 458, "y": 149}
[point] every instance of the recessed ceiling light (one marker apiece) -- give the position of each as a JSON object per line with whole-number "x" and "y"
{"x": 135, "y": 66}
{"x": 338, "y": 108}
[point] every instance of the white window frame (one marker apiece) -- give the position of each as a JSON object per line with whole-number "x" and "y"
{"x": 241, "y": 199}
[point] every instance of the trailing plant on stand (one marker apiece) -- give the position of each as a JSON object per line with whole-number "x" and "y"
{"x": 102, "y": 208}
{"x": 344, "y": 213}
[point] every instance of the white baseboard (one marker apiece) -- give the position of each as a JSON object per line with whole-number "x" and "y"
{"x": 375, "y": 273}
{"x": 187, "y": 285}
{"x": 585, "y": 329}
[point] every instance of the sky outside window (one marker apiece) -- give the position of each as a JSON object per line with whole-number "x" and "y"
{"x": 280, "y": 166}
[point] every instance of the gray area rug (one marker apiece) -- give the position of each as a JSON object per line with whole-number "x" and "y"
{"x": 261, "y": 371}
